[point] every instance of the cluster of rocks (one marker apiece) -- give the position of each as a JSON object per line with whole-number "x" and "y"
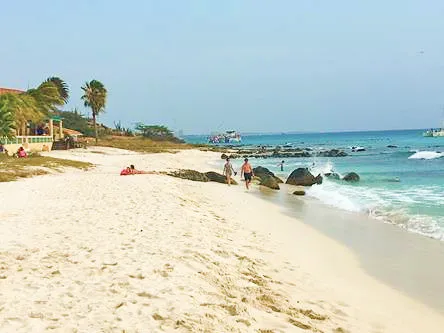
{"x": 300, "y": 177}
{"x": 197, "y": 176}
{"x": 283, "y": 153}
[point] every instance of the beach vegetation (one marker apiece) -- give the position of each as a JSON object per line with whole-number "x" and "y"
{"x": 94, "y": 97}
{"x": 76, "y": 121}
{"x": 156, "y": 132}
{"x": 14, "y": 168}
{"x": 119, "y": 129}
{"x": 141, "y": 144}
{"x": 7, "y": 124}
{"x": 34, "y": 104}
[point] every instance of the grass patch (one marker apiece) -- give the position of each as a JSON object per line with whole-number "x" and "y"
{"x": 141, "y": 144}
{"x": 146, "y": 145}
{"x": 14, "y": 168}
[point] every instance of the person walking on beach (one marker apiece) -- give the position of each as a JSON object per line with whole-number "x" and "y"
{"x": 228, "y": 171}
{"x": 247, "y": 172}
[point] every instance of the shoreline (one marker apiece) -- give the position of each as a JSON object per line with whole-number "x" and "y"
{"x": 395, "y": 256}
{"x": 152, "y": 251}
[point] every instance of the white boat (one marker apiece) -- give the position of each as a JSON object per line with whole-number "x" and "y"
{"x": 436, "y": 132}
{"x": 227, "y": 137}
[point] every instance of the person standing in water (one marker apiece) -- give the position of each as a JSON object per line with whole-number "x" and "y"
{"x": 247, "y": 172}
{"x": 281, "y": 165}
{"x": 228, "y": 171}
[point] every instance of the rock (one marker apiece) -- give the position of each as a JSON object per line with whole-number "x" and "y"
{"x": 318, "y": 179}
{"x": 302, "y": 176}
{"x": 392, "y": 146}
{"x": 218, "y": 178}
{"x": 190, "y": 175}
{"x": 299, "y": 191}
{"x": 262, "y": 172}
{"x": 332, "y": 153}
{"x": 270, "y": 182}
{"x": 332, "y": 175}
{"x": 224, "y": 156}
{"x": 351, "y": 177}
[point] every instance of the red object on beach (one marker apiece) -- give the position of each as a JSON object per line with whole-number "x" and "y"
{"x": 125, "y": 172}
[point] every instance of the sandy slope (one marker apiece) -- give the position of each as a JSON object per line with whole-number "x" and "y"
{"x": 97, "y": 252}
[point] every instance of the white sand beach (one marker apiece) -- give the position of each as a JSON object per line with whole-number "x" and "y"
{"x": 92, "y": 251}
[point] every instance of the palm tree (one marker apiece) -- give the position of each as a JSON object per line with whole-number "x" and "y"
{"x": 62, "y": 87}
{"x": 7, "y": 124}
{"x": 94, "y": 97}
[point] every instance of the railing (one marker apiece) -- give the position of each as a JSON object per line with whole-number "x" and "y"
{"x": 18, "y": 140}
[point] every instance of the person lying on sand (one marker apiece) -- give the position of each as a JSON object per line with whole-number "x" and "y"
{"x": 131, "y": 170}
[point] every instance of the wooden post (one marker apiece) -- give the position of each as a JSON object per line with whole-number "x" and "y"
{"x": 51, "y": 128}
{"x": 61, "y": 128}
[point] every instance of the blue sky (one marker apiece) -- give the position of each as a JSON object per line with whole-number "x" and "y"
{"x": 256, "y": 65}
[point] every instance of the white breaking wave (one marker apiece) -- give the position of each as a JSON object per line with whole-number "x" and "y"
{"x": 426, "y": 155}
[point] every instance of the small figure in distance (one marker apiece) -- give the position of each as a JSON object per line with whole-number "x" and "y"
{"x": 228, "y": 171}
{"x": 247, "y": 172}
{"x": 281, "y": 165}
{"x": 21, "y": 153}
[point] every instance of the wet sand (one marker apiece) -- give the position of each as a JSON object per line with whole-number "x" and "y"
{"x": 411, "y": 263}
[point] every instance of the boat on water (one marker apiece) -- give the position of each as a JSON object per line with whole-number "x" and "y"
{"x": 434, "y": 132}
{"x": 227, "y": 137}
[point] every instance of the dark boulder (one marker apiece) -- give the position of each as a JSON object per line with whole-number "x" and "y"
{"x": 318, "y": 179}
{"x": 332, "y": 153}
{"x": 190, "y": 175}
{"x": 392, "y": 146}
{"x": 218, "y": 178}
{"x": 262, "y": 172}
{"x": 302, "y": 176}
{"x": 351, "y": 177}
{"x": 269, "y": 182}
{"x": 224, "y": 156}
{"x": 299, "y": 191}
{"x": 332, "y": 175}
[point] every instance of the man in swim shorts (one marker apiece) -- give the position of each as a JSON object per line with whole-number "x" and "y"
{"x": 247, "y": 172}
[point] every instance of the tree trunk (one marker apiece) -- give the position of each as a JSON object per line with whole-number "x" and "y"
{"x": 95, "y": 127}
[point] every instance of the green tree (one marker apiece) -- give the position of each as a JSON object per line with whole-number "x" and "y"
{"x": 35, "y": 104}
{"x": 156, "y": 132}
{"x": 61, "y": 86}
{"x": 94, "y": 97}
{"x": 7, "y": 123}
{"x": 76, "y": 121}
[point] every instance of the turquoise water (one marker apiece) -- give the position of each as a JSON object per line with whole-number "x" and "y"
{"x": 402, "y": 185}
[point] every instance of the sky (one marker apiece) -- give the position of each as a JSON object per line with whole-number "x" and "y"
{"x": 251, "y": 65}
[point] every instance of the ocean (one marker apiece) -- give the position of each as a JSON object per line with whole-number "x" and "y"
{"x": 402, "y": 174}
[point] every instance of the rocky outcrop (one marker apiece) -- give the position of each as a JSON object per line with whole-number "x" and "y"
{"x": 190, "y": 175}
{"x": 392, "y": 146}
{"x": 262, "y": 172}
{"x": 279, "y": 152}
{"x": 270, "y": 182}
{"x": 351, "y": 177}
{"x": 218, "y": 178}
{"x": 302, "y": 176}
{"x": 332, "y": 175}
{"x": 332, "y": 153}
{"x": 299, "y": 191}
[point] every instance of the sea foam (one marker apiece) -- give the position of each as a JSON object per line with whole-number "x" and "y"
{"x": 426, "y": 155}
